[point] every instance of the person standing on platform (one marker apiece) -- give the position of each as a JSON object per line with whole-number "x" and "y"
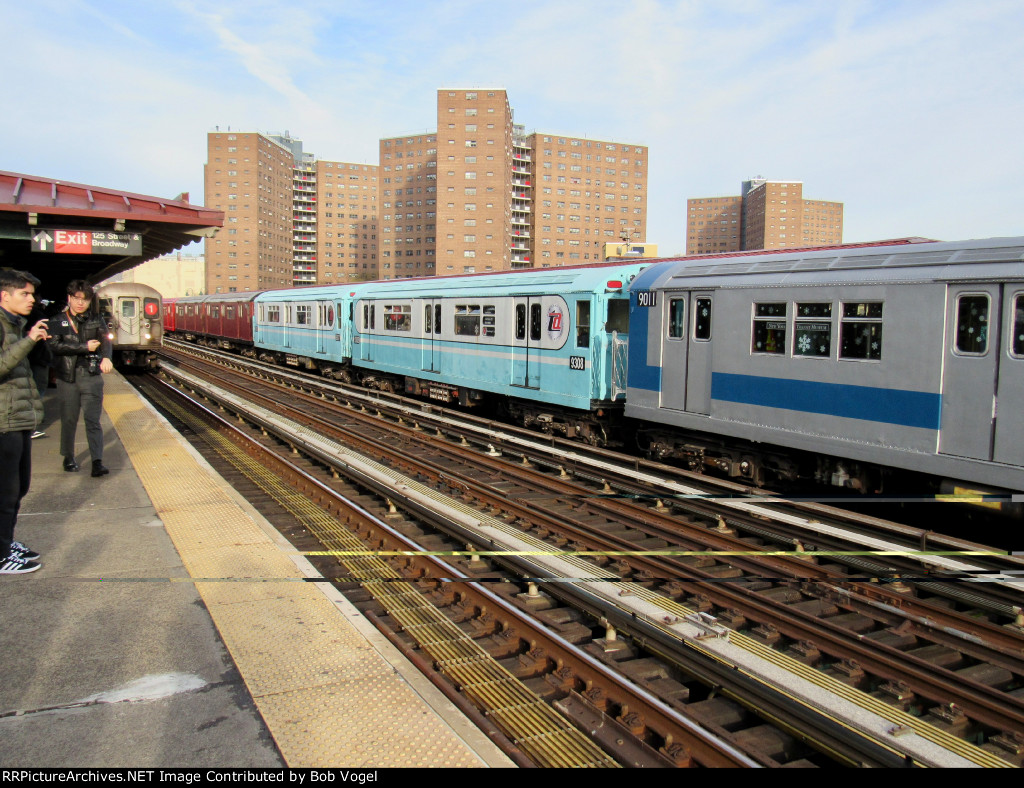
{"x": 21, "y": 411}
{"x": 39, "y": 359}
{"x": 82, "y": 349}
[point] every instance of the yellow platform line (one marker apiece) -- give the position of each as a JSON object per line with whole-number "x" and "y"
{"x": 544, "y": 735}
{"x": 327, "y": 696}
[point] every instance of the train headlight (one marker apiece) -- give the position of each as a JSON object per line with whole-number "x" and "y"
{"x": 148, "y": 335}
{"x": 110, "y": 335}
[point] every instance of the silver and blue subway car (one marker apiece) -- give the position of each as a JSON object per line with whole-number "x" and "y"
{"x": 905, "y": 356}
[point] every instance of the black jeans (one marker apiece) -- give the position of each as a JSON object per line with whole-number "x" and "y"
{"x": 85, "y": 395}
{"x": 15, "y": 474}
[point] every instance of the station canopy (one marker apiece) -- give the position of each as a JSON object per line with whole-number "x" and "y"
{"x": 60, "y": 231}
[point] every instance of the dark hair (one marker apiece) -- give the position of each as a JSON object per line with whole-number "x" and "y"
{"x": 81, "y": 286}
{"x": 11, "y": 280}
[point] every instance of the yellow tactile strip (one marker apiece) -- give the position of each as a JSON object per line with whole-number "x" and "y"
{"x": 328, "y": 698}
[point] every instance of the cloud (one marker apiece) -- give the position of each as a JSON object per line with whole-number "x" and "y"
{"x": 905, "y": 111}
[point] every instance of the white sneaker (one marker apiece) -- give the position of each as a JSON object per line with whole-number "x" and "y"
{"x": 15, "y": 565}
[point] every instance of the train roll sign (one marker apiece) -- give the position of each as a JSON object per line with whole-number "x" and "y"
{"x": 75, "y": 241}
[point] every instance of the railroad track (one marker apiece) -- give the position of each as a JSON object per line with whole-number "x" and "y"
{"x": 749, "y": 600}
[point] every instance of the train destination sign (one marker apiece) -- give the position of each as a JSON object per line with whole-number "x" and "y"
{"x": 77, "y": 241}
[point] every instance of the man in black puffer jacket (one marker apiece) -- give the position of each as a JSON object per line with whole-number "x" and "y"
{"x": 21, "y": 411}
{"x": 80, "y": 341}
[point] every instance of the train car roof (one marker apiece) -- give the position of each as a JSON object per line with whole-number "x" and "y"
{"x": 527, "y": 279}
{"x": 582, "y": 278}
{"x": 921, "y": 260}
{"x": 217, "y": 298}
{"x": 126, "y": 287}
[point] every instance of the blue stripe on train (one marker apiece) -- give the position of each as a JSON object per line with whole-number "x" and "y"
{"x": 889, "y": 406}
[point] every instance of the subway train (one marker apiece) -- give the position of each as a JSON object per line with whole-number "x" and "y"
{"x": 836, "y": 365}
{"x": 133, "y": 315}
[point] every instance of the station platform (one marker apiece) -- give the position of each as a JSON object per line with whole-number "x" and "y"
{"x": 171, "y": 626}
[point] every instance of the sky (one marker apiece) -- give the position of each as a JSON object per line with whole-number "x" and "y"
{"x": 910, "y": 112}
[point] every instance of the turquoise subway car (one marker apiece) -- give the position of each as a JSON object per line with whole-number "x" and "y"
{"x": 546, "y": 347}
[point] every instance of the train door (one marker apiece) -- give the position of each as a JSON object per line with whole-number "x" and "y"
{"x": 1009, "y": 441}
{"x": 970, "y": 371}
{"x": 322, "y": 325}
{"x": 126, "y": 321}
{"x": 698, "y": 368}
{"x": 342, "y": 329}
{"x": 528, "y": 329}
{"x": 367, "y": 326}
{"x": 674, "y": 351}
{"x": 431, "y": 352}
{"x": 686, "y": 352}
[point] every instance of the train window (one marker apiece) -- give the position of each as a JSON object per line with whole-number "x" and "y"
{"x": 1018, "y": 325}
{"x": 490, "y": 318}
{"x": 273, "y": 313}
{"x": 437, "y": 318}
{"x": 702, "y": 319}
{"x": 106, "y": 307}
{"x": 304, "y": 314}
{"x": 972, "y": 324}
{"x": 618, "y": 316}
{"x": 769, "y": 328}
{"x": 229, "y": 312}
{"x": 467, "y": 320}
{"x": 535, "y": 322}
{"x": 520, "y": 321}
{"x": 812, "y": 330}
{"x": 428, "y": 322}
{"x": 179, "y": 310}
{"x": 582, "y": 324}
{"x": 676, "y": 318}
{"x": 330, "y": 315}
{"x": 861, "y": 334}
{"x": 215, "y": 311}
{"x": 397, "y": 317}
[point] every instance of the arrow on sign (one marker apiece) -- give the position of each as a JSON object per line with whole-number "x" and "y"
{"x": 42, "y": 238}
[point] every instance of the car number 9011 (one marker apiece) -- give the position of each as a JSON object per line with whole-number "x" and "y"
{"x": 577, "y": 362}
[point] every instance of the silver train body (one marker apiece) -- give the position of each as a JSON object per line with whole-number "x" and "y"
{"x": 907, "y": 357}
{"x": 134, "y": 316}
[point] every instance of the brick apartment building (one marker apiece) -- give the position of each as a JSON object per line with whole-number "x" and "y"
{"x": 478, "y": 194}
{"x": 290, "y": 219}
{"x": 768, "y": 215}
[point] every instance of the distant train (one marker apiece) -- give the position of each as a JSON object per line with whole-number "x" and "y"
{"x": 761, "y": 366}
{"x": 133, "y": 314}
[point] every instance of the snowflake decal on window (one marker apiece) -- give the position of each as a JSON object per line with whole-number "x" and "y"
{"x": 804, "y": 343}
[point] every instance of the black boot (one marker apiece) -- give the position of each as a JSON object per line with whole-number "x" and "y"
{"x": 70, "y": 465}
{"x": 99, "y": 469}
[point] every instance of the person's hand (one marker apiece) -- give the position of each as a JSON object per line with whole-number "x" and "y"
{"x": 106, "y": 365}
{"x": 38, "y": 332}
{"x": 93, "y": 345}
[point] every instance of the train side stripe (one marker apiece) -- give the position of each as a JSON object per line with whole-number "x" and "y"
{"x": 888, "y": 406}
